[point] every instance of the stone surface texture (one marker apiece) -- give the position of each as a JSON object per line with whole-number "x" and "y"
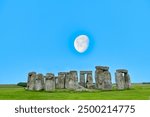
{"x": 103, "y": 78}
{"x": 122, "y": 79}
{"x": 39, "y": 82}
{"x": 73, "y": 80}
{"x": 49, "y": 82}
{"x": 61, "y": 80}
{"x": 31, "y": 81}
{"x": 86, "y": 79}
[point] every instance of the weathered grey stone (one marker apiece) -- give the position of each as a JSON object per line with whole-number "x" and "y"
{"x": 82, "y": 79}
{"x": 122, "y": 70}
{"x": 31, "y": 81}
{"x": 107, "y": 84}
{"x": 89, "y": 81}
{"x": 120, "y": 80}
{"x": 56, "y": 82}
{"x": 67, "y": 75}
{"x": 61, "y": 80}
{"x": 69, "y": 80}
{"x": 49, "y": 82}
{"x": 85, "y": 72}
{"x": 127, "y": 81}
{"x": 96, "y": 79}
{"x": 99, "y": 78}
{"x": 73, "y": 80}
{"x": 86, "y": 79}
{"x": 81, "y": 88}
{"x": 104, "y": 68}
{"x": 103, "y": 78}
{"x": 39, "y": 82}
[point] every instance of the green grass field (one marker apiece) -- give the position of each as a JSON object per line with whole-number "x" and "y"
{"x": 13, "y": 92}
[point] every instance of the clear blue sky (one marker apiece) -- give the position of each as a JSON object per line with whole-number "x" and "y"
{"x": 38, "y": 35}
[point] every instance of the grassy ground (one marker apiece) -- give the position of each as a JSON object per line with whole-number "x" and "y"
{"x": 13, "y": 92}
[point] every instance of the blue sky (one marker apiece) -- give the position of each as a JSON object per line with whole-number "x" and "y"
{"x": 38, "y": 35}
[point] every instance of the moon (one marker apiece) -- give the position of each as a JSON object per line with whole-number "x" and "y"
{"x": 81, "y": 43}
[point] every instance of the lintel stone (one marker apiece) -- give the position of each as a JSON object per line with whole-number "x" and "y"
{"x": 105, "y": 68}
{"x": 122, "y": 70}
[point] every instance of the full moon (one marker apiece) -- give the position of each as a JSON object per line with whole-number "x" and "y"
{"x": 81, "y": 43}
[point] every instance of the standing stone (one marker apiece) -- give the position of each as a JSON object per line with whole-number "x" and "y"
{"x": 96, "y": 80}
{"x": 73, "y": 80}
{"x": 103, "y": 78}
{"x": 67, "y": 75}
{"x": 49, "y": 82}
{"x": 119, "y": 80}
{"x": 99, "y": 78}
{"x": 56, "y": 82}
{"x": 39, "y": 82}
{"x": 127, "y": 81}
{"x": 82, "y": 78}
{"x": 61, "y": 80}
{"x": 89, "y": 80}
{"x": 122, "y": 79}
{"x": 86, "y": 79}
{"x": 31, "y": 81}
{"x": 107, "y": 84}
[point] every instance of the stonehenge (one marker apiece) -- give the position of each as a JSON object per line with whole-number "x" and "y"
{"x": 39, "y": 82}
{"x": 103, "y": 78}
{"x": 31, "y": 80}
{"x": 69, "y": 80}
{"x": 86, "y": 79}
{"x": 72, "y": 80}
{"x": 122, "y": 79}
{"x": 56, "y": 82}
{"x": 61, "y": 80}
{"x": 49, "y": 82}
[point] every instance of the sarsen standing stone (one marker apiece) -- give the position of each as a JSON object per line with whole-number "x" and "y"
{"x": 39, "y": 82}
{"x": 49, "y": 82}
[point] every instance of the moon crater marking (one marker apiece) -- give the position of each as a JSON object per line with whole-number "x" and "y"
{"x": 81, "y": 43}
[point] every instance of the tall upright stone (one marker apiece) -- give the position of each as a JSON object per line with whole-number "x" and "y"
{"x": 82, "y": 79}
{"x": 67, "y": 76}
{"x": 98, "y": 79}
{"x": 122, "y": 79}
{"x": 56, "y": 82}
{"x": 103, "y": 78}
{"x": 39, "y": 82}
{"x": 127, "y": 81}
{"x": 86, "y": 79}
{"x": 49, "y": 82}
{"x": 107, "y": 85}
{"x": 73, "y": 80}
{"x": 31, "y": 80}
{"x": 89, "y": 80}
{"x": 61, "y": 80}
